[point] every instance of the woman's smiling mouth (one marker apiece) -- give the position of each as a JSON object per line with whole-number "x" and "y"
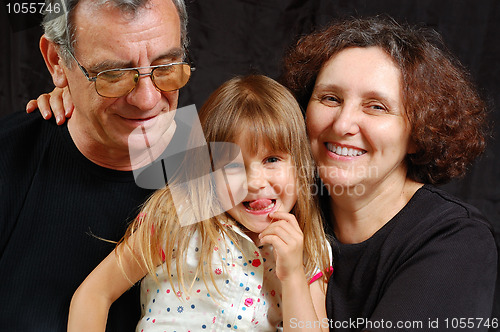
{"x": 344, "y": 151}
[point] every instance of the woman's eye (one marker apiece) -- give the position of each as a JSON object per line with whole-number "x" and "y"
{"x": 330, "y": 100}
{"x": 377, "y": 107}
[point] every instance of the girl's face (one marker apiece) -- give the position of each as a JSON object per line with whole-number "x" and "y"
{"x": 356, "y": 122}
{"x": 270, "y": 180}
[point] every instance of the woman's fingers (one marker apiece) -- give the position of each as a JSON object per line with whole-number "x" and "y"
{"x": 31, "y": 106}
{"x": 57, "y": 103}
{"x": 43, "y": 104}
{"x": 68, "y": 103}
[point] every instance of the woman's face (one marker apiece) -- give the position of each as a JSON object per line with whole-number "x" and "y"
{"x": 356, "y": 122}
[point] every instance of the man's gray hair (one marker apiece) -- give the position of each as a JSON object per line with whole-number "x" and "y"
{"x": 59, "y": 26}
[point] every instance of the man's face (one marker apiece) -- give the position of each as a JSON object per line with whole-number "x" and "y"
{"x": 106, "y": 39}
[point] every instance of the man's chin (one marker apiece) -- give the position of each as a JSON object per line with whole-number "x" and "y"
{"x": 147, "y": 143}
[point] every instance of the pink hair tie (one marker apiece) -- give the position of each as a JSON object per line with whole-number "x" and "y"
{"x": 319, "y": 275}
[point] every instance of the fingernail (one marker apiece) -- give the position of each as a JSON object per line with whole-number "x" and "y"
{"x": 59, "y": 119}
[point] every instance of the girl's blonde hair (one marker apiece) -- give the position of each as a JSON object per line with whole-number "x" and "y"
{"x": 269, "y": 112}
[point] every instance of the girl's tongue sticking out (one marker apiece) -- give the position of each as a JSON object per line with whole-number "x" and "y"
{"x": 261, "y": 205}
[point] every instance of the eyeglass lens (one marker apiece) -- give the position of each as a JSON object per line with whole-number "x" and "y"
{"x": 116, "y": 83}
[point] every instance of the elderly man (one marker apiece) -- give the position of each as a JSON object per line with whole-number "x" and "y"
{"x": 63, "y": 189}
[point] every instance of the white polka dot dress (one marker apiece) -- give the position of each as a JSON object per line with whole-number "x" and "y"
{"x": 251, "y": 291}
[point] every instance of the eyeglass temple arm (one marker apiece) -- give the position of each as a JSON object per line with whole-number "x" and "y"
{"x": 84, "y": 71}
{"x": 189, "y": 61}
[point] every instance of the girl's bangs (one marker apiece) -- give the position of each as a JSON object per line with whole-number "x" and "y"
{"x": 264, "y": 129}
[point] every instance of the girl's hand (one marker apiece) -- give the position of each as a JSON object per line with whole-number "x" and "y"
{"x": 285, "y": 235}
{"x": 300, "y": 301}
{"x": 58, "y": 102}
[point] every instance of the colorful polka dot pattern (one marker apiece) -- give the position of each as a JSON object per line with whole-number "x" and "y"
{"x": 251, "y": 291}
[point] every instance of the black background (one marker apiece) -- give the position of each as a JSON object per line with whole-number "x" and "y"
{"x": 231, "y": 37}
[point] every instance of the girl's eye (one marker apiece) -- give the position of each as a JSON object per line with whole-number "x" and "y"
{"x": 234, "y": 165}
{"x": 272, "y": 159}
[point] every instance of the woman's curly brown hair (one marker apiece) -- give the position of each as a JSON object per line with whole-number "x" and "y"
{"x": 446, "y": 113}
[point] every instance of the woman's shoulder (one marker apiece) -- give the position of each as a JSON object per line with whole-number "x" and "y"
{"x": 434, "y": 215}
{"x": 438, "y": 206}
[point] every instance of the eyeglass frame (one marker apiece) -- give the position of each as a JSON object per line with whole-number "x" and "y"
{"x": 150, "y": 74}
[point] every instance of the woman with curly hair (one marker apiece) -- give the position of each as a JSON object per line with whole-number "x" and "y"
{"x": 390, "y": 113}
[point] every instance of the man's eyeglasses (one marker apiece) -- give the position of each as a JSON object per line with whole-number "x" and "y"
{"x": 114, "y": 83}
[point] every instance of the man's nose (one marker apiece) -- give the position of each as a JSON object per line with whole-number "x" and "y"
{"x": 145, "y": 95}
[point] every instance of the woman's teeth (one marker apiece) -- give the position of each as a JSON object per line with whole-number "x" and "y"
{"x": 343, "y": 151}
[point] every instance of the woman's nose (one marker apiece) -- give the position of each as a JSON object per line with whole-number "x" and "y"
{"x": 346, "y": 120}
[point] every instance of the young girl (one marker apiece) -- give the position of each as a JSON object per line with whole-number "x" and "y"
{"x": 262, "y": 265}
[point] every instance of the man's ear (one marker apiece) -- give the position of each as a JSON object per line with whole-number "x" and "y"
{"x": 53, "y": 61}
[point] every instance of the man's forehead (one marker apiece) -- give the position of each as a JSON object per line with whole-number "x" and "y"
{"x": 124, "y": 9}
{"x": 104, "y": 34}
